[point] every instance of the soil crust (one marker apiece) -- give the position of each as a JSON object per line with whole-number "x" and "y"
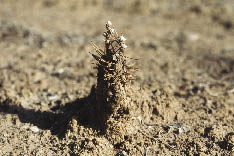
{"x": 182, "y": 101}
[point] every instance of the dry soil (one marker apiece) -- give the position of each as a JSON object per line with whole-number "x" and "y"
{"x": 183, "y": 92}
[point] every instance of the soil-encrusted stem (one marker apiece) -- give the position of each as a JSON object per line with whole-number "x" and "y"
{"x": 113, "y": 77}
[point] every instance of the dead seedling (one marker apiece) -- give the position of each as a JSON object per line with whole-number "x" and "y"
{"x": 113, "y": 97}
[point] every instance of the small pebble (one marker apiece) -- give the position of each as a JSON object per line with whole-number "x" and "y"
{"x": 193, "y": 36}
{"x": 35, "y": 129}
{"x": 54, "y": 97}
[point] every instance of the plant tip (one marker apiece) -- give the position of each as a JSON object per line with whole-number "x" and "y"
{"x": 112, "y": 30}
{"x": 109, "y": 23}
{"x": 124, "y": 46}
{"x": 122, "y": 38}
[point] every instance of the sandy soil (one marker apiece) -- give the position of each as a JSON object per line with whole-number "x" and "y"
{"x": 184, "y": 88}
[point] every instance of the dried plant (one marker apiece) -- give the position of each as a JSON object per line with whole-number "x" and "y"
{"x": 113, "y": 77}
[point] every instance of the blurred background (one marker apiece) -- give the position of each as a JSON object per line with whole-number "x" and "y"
{"x": 183, "y": 45}
{"x": 179, "y": 37}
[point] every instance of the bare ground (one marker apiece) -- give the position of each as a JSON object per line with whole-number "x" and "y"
{"x": 184, "y": 88}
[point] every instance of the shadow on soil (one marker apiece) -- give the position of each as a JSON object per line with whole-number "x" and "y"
{"x": 50, "y": 120}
